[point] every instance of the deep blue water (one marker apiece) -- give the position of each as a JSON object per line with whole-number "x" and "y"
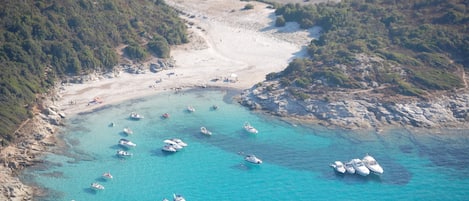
{"x": 417, "y": 165}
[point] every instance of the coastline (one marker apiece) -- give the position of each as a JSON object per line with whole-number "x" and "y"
{"x": 229, "y": 48}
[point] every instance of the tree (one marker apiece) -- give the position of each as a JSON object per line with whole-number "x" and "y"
{"x": 280, "y": 21}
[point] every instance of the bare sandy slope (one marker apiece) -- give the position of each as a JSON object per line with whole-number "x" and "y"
{"x": 226, "y": 42}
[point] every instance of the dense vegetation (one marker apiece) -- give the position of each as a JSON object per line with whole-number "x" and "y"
{"x": 43, "y": 40}
{"x": 418, "y": 46}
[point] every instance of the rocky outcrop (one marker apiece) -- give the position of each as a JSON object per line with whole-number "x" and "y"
{"x": 33, "y": 139}
{"x": 361, "y": 111}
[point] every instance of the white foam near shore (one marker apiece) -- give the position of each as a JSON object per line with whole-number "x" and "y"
{"x": 226, "y": 42}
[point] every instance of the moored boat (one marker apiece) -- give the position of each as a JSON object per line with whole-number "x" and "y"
{"x": 338, "y": 167}
{"x": 173, "y": 144}
{"x": 123, "y": 154}
{"x": 107, "y": 175}
{"x": 247, "y": 126}
{"x": 360, "y": 167}
{"x": 205, "y": 131}
{"x": 214, "y": 107}
{"x": 168, "y": 148}
{"x": 190, "y": 109}
{"x": 252, "y": 159}
{"x": 96, "y": 186}
{"x": 135, "y": 116}
{"x": 372, "y": 165}
{"x": 179, "y": 142}
{"x": 126, "y": 143}
{"x": 128, "y": 131}
{"x": 349, "y": 168}
{"x": 178, "y": 198}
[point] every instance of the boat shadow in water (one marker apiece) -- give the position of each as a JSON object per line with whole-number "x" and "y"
{"x": 244, "y": 166}
{"x": 354, "y": 178}
{"x": 161, "y": 153}
{"x": 90, "y": 191}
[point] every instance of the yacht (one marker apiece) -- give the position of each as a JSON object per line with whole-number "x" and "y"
{"x": 360, "y": 167}
{"x": 107, "y": 175}
{"x": 123, "y": 154}
{"x": 128, "y": 131}
{"x": 179, "y": 142}
{"x": 190, "y": 109}
{"x": 126, "y": 143}
{"x": 173, "y": 144}
{"x": 349, "y": 168}
{"x": 338, "y": 167}
{"x": 372, "y": 165}
{"x": 135, "y": 116}
{"x": 250, "y": 128}
{"x": 205, "y": 131}
{"x": 168, "y": 148}
{"x": 178, "y": 198}
{"x": 252, "y": 159}
{"x": 97, "y": 186}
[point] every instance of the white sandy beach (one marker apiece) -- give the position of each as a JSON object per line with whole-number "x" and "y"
{"x": 226, "y": 41}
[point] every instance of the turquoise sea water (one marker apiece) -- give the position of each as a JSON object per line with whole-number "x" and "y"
{"x": 418, "y": 166}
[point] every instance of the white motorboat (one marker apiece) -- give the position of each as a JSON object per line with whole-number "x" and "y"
{"x": 247, "y": 126}
{"x": 128, "y": 131}
{"x": 349, "y": 168}
{"x": 205, "y": 131}
{"x": 252, "y": 159}
{"x": 178, "y": 198}
{"x": 338, "y": 167}
{"x": 135, "y": 116}
{"x": 360, "y": 167}
{"x": 126, "y": 143}
{"x": 190, "y": 109}
{"x": 123, "y": 154}
{"x": 168, "y": 148}
{"x": 97, "y": 186}
{"x": 107, "y": 175}
{"x": 173, "y": 144}
{"x": 179, "y": 142}
{"x": 372, "y": 165}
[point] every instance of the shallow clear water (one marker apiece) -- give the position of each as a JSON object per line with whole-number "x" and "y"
{"x": 418, "y": 166}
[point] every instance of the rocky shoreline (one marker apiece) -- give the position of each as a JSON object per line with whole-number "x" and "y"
{"x": 361, "y": 110}
{"x": 33, "y": 139}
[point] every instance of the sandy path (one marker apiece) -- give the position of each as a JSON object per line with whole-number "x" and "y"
{"x": 225, "y": 41}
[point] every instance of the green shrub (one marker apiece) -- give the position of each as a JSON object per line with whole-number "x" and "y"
{"x": 248, "y": 6}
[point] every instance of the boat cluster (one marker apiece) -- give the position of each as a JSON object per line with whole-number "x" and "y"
{"x": 173, "y": 145}
{"x": 361, "y": 167}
